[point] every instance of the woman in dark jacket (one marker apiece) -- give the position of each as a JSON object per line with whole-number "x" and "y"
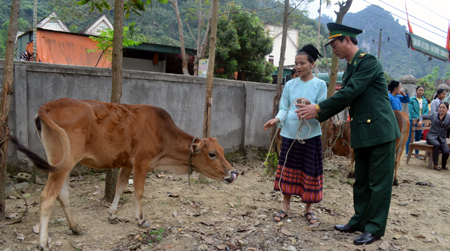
{"x": 436, "y": 136}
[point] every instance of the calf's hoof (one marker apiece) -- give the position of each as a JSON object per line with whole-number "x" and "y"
{"x": 395, "y": 183}
{"x": 114, "y": 220}
{"x": 144, "y": 225}
{"x": 77, "y": 230}
{"x": 350, "y": 175}
{"x": 43, "y": 249}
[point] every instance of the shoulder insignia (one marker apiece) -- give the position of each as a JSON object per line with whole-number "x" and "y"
{"x": 362, "y": 54}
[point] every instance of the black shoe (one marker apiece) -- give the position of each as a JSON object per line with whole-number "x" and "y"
{"x": 366, "y": 238}
{"x": 344, "y": 228}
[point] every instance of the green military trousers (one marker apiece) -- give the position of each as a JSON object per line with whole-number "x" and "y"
{"x": 374, "y": 174}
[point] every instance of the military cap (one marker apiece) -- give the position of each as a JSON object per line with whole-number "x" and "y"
{"x": 339, "y": 30}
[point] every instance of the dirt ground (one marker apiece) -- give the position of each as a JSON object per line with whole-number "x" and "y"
{"x": 217, "y": 216}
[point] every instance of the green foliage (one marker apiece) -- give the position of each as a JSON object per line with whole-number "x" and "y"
{"x": 135, "y": 6}
{"x": 272, "y": 158}
{"x": 429, "y": 82}
{"x": 242, "y": 43}
{"x": 105, "y": 40}
{"x": 157, "y": 235}
{"x": 22, "y": 25}
{"x": 388, "y": 77}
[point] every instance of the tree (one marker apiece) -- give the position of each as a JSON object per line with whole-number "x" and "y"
{"x": 343, "y": 9}
{"x": 117, "y": 62}
{"x": 22, "y": 25}
{"x": 184, "y": 64}
{"x": 5, "y": 100}
{"x": 105, "y": 41}
{"x": 429, "y": 82}
{"x": 242, "y": 43}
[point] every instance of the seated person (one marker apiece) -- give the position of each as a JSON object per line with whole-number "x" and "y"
{"x": 436, "y": 136}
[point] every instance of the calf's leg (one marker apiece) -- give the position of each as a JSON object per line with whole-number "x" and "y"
{"x": 51, "y": 191}
{"x": 122, "y": 183}
{"x": 140, "y": 172}
{"x": 63, "y": 199}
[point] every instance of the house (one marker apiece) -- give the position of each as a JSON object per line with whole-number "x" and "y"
{"x": 57, "y": 45}
{"x": 276, "y": 32}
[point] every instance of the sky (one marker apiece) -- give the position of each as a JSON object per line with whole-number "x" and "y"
{"x": 429, "y": 18}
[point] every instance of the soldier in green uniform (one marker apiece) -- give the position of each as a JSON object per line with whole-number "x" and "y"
{"x": 374, "y": 130}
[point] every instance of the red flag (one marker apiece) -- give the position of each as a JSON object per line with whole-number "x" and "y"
{"x": 407, "y": 17}
{"x": 448, "y": 38}
{"x": 409, "y": 28}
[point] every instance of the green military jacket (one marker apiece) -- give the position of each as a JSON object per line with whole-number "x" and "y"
{"x": 364, "y": 91}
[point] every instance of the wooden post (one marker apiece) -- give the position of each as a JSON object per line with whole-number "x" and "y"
{"x": 116, "y": 91}
{"x": 210, "y": 77}
{"x": 8, "y": 78}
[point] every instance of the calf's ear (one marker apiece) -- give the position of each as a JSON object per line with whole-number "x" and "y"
{"x": 194, "y": 148}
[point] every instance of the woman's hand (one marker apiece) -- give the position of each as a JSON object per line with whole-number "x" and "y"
{"x": 419, "y": 124}
{"x": 402, "y": 93}
{"x": 271, "y": 123}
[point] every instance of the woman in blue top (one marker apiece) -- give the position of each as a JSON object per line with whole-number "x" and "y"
{"x": 300, "y": 169}
{"x": 417, "y": 107}
{"x": 396, "y": 95}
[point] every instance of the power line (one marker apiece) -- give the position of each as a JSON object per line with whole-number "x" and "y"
{"x": 407, "y": 20}
{"x": 413, "y": 16}
{"x": 431, "y": 10}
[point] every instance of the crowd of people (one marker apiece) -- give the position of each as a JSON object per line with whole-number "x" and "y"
{"x": 371, "y": 105}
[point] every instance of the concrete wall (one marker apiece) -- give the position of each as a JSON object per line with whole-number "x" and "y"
{"x": 239, "y": 109}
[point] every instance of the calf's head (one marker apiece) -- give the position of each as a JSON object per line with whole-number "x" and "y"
{"x": 208, "y": 158}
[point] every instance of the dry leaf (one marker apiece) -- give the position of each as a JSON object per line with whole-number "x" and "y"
{"x": 221, "y": 247}
{"x": 250, "y": 228}
{"x": 207, "y": 223}
{"x": 160, "y": 175}
{"x": 213, "y": 187}
{"x": 11, "y": 216}
{"x": 168, "y": 246}
{"x": 286, "y": 232}
{"x": 96, "y": 192}
{"x": 421, "y": 237}
{"x": 362, "y": 248}
{"x": 314, "y": 225}
{"x": 440, "y": 239}
{"x": 36, "y": 228}
{"x": 174, "y": 195}
{"x": 385, "y": 245}
{"x": 20, "y": 236}
{"x": 175, "y": 214}
{"x": 207, "y": 239}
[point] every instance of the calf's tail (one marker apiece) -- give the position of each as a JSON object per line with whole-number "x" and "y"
{"x": 38, "y": 161}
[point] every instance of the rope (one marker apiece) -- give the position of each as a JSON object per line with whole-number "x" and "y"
{"x": 189, "y": 162}
{"x": 329, "y": 151}
{"x": 300, "y": 126}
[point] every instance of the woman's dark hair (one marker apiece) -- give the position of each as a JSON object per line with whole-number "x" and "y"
{"x": 445, "y": 103}
{"x": 311, "y": 51}
{"x": 392, "y": 85}
{"x": 439, "y": 91}
{"x": 417, "y": 88}
{"x": 293, "y": 72}
{"x": 354, "y": 41}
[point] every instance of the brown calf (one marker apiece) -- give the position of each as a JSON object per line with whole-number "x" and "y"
{"x": 138, "y": 138}
{"x": 339, "y": 146}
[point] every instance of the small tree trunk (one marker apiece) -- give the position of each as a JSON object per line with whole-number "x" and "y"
{"x": 271, "y": 168}
{"x": 116, "y": 92}
{"x": 343, "y": 8}
{"x": 210, "y": 76}
{"x": 8, "y": 78}
{"x": 199, "y": 37}
{"x": 35, "y": 31}
{"x": 184, "y": 64}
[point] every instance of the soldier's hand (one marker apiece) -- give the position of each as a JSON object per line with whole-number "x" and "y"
{"x": 306, "y": 112}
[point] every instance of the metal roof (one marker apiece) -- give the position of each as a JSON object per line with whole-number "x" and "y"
{"x": 161, "y": 48}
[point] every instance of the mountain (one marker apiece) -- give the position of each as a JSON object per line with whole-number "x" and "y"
{"x": 394, "y": 54}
